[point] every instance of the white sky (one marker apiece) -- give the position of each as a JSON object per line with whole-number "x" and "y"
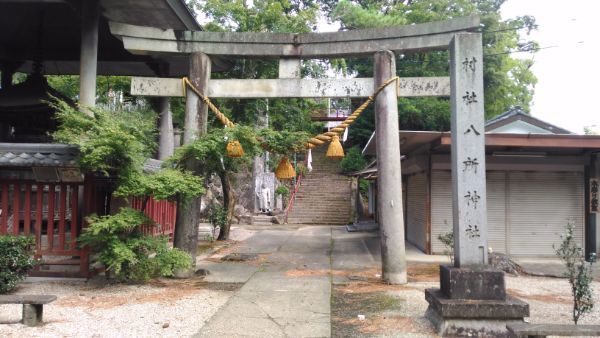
{"x": 567, "y": 74}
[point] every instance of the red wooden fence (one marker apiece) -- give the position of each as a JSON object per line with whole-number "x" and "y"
{"x": 163, "y": 213}
{"x": 51, "y": 213}
{"x": 55, "y": 214}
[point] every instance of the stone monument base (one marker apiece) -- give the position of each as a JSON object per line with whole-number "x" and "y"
{"x": 473, "y": 302}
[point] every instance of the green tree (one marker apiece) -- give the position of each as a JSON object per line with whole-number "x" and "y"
{"x": 211, "y": 151}
{"x": 590, "y": 130}
{"x": 353, "y": 161}
{"x": 278, "y": 16}
{"x": 507, "y": 81}
{"x": 116, "y": 144}
{"x": 68, "y": 85}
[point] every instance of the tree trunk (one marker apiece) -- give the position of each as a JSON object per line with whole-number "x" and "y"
{"x": 186, "y": 223}
{"x": 229, "y": 200}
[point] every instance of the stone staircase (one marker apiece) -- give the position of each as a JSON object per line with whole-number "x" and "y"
{"x": 324, "y": 194}
{"x": 261, "y": 219}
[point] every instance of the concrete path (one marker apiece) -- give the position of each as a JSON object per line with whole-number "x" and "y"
{"x": 272, "y": 303}
{"x": 288, "y": 294}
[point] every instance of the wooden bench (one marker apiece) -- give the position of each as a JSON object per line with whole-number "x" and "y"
{"x": 33, "y": 306}
{"x": 543, "y": 330}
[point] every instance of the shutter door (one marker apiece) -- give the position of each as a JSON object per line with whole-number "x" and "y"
{"x": 496, "y": 210}
{"x": 415, "y": 210}
{"x": 441, "y": 209}
{"x": 540, "y": 205}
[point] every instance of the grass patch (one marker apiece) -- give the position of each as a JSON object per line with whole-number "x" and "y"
{"x": 345, "y": 308}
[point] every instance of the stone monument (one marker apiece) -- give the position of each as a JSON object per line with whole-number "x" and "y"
{"x": 472, "y": 299}
{"x": 264, "y": 181}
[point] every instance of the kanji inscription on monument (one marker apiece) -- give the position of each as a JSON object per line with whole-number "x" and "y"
{"x": 594, "y": 195}
{"x": 468, "y": 151}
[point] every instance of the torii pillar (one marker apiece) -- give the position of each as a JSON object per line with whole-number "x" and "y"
{"x": 196, "y": 115}
{"x": 389, "y": 192}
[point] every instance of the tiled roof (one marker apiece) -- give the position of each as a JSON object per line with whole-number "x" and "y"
{"x": 513, "y": 111}
{"x": 38, "y": 155}
{"x": 50, "y": 155}
{"x": 517, "y": 113}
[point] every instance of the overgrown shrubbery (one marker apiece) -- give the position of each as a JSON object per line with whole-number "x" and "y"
{"x": 353, "y": 161}
{"x": 283, "y": 191}
{"x": 579, "y": 273}
{"x": 210, "y": 153}
{"x": 15, "y": 260}
{"x": 217, "y": 217}
{"x": 116, "y": 144}
{"x": 126, "y": 251}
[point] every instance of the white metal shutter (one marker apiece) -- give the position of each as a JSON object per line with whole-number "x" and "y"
{"x": 415, "y": 210}
{"x": 441, "y": 209}
{"x": 496, "y": 210}
{"x": 540, "y": 205}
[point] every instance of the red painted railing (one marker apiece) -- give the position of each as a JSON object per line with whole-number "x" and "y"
{"x": 290, "y": 205}
{"x": 163, "y": 213}
{"x": 54, "y": 213}
{"x": 48, "y": 211}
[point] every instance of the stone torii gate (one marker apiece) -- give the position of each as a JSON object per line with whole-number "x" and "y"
{"x": 472, "y": 296}
{"x": 465, "y": 87}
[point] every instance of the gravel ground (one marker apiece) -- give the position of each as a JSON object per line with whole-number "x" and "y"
{"x": 165, "y": 308}
{"x": 550, "y": 299}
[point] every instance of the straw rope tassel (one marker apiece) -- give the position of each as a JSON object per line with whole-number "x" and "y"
{"x": 335, "y": 149}
{"x": 234, "y": 149}
{"x": 285, "y": 170}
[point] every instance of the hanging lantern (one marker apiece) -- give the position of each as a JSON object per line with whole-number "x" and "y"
{"x": 234, "y": 149}
{"x": 335, "y": 149}
{"x": 285, "y": 170}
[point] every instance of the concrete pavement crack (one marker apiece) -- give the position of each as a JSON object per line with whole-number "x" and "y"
{"x": 282, "y": 328}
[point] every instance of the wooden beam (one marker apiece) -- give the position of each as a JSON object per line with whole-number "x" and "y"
{"x": 291, "y": 88}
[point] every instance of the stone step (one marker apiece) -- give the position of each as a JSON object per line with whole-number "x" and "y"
{"x": 297, "y": 220}
{"x": 327, "y": 200}
{"x": 297, "y": 208}
{"x": 321, "y": 203}
{"x": 316, "y": 221}
{"x": 318, "y": 206}
{"x": 261, "y": 219}
{"x": 308, "y": 213}
{"x": 323, "y": 213}
{"x": 324, "y": 194}
{"x": 333, "y": 211}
